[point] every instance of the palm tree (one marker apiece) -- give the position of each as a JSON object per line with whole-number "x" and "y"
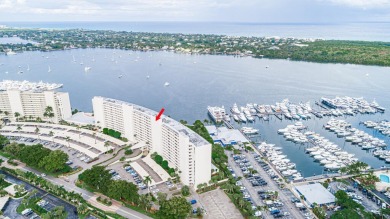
{"x": 82, "y": 208}
{"x": 94, "y": 136}
{"x": 78, "y": 129}
{"x": 147, "y": 181}
{"x": 16, "y": 114}
{"x": 211, "y": 182}
{"x": 241, "y": 203}
{"x": 51, "y": 134}
{"x": 144, "y": 202}
{"x": 49, "y": 113}
{"x": 67, "y": 139}
{"x": 19, "y": 128}
{"x": 229, "y": 187}
{"x": 37, "y": 131}
{"x": 106, "y": 144}
{"x": 200, "y": 186}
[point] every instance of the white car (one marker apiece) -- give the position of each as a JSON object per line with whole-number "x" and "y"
{"x": 43, "y": 175}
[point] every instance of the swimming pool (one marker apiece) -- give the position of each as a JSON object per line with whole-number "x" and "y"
{"x": 384, "y": 178}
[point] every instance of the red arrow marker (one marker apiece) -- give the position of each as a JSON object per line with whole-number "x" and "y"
{"x": 159, "y": 114}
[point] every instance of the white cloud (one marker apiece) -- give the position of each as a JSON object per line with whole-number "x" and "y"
{"x": 366, "y": 4}
{"x": 190, "y": 10}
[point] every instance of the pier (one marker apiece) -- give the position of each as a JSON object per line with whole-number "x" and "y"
{"x": 228, "y": 124}
{"x": 320, "y": 105}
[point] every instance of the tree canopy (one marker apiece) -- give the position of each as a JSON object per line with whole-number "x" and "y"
{"x": 174, "y": 208}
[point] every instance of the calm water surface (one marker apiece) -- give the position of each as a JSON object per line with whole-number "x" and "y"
{"x": 197, "y": 81}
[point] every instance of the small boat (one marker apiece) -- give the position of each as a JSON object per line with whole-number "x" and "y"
{"x": 120, "y": 76}
{"x": 49, "y": 69}
{"x": 147, "y": 77}
{"x": 28, "y": 67}
{"x": 87, "y": 68}
{"x": 166, "y": 84}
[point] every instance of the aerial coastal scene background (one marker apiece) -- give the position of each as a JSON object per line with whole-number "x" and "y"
{"x": 283, "y": 105}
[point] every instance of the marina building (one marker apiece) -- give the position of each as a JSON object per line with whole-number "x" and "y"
{"x": 31, "y": 99}
{"x": 315, "y": 193}
{"x": 176, "y": 143}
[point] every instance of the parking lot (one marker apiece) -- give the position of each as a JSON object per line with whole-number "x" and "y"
{"x": 359, "y": 195}
{"x": 262, "y": 187}
{"x": 218, "y": 205}
{"x": 51, "y": 201}
{"x": 76, "y": 158}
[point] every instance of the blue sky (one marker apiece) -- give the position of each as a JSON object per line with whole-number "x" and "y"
{"x": 196, "y": 10}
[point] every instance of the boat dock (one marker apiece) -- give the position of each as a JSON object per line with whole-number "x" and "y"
{"x": 321, "y": 105}
{"x": 228, "y": 124}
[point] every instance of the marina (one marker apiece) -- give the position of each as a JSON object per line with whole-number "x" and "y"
{"x": 26, "y": 85}
{"x": 382, "y": 126}
{"x": 184, "y": 101}
{"x": 357, "y": 137}
{"x": 280, "y": 161}
{"x": 321, "y": 149}
{"x": 346, "y": 106}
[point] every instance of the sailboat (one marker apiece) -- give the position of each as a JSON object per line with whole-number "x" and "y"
{"x": 28, "y": 67}
{"x": 93, "y": 59}
{"x": 49, "y": 69}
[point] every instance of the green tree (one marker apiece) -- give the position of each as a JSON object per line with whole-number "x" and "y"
{"x": 106, "y": 144}
{"x": 67, "y": 139}
{"x": 51, "y": 134}
{"x": 97, "y": 178}
{"x": 82, "y": 208}
{"x": 3, "y": 141}
{"x": 56, "y": 212}
{"x": 55, "y": 161}
{"x": 147, "y": 181}
{"x": 185, "y": 190}
{"x": 17, "y": 115}
{"x": 123, "y": 190}
{"x": 161, "y": 197}
{"x": 49, "y": 113}
{"x": 176, "y": 207}
{"x": 145, "y": 202}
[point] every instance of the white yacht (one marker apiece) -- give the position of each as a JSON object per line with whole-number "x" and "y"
{"x": 235, "y": 109}
{"x": 242, "y": 117}
{"x": 249, "y": 130}
{"x": 216, "y": 113}
{"x": 87, "y": 68}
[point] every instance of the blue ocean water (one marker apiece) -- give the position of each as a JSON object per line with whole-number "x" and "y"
{"x": 198, "y": 81}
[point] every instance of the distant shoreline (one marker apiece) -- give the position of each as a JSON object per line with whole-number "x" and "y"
{"x": 310, "y": 50}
